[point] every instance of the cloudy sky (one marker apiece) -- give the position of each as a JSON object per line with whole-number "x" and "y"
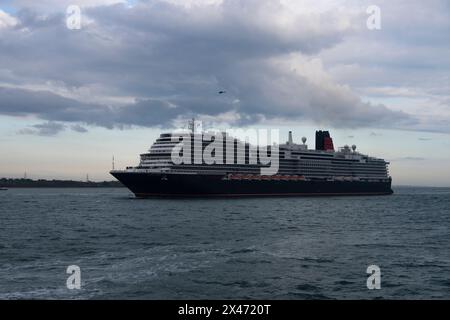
{"x": 71, "y": 98}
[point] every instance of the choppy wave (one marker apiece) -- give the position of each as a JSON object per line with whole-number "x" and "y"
{"x": 296, "y": 248}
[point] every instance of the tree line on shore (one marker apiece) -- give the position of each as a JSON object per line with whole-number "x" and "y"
{"x": 42, "y": 183}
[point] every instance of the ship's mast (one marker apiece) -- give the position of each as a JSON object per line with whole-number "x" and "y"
{"x": 191, "y": 125}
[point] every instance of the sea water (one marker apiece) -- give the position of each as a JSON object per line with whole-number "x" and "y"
{"x": 270, "y": 248}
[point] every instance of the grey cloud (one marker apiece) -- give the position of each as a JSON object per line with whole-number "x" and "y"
{"x": 174, "y": 60}
{"x": 407, "y": 60}
{"x": 49, "y": 106}
{"x": 52, "y": 107}
{"x": 44, "y": 129}
{"x": 153, "y": 112}
{"x": 46, "y": 6}
{"x": 78, "y": 128}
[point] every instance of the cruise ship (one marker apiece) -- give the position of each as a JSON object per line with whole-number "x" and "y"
{"x": 301, "y": 171}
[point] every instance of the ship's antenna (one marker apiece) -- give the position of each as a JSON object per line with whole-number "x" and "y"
{"x": 191, "y": 125}
{"x": 113, "y": 163}
{"x": 87, "y": 177}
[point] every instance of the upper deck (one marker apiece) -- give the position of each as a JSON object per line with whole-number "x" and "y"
{"x": 293, "y": 159}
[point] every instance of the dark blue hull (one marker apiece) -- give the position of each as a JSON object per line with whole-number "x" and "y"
{"x": 180, "y": 185}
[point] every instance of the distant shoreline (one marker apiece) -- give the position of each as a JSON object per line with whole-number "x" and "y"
{"x": 42, "y": 183}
